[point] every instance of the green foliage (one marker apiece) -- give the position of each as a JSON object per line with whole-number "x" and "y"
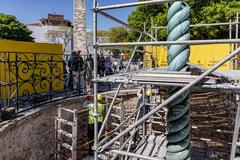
{"x": 117, "y": 34}
{"x": 203, "y": 11}
{"x": 144, "y": 14}
{"x": 103, "y": 33}
{"x": 213, "y": 11}
{"x": 12, "y": 29}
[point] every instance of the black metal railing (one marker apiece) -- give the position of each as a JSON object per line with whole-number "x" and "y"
{"x": 28, "y": 80}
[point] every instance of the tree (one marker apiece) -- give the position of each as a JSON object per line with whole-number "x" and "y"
{"x": 62, "y": 35}
{"x": 12, "y": 29}
{"x": 117, "y": 34}
{"x": 212, "y": 11}
{"x": 203, "y": 11}
{"x": 144, "y": 14}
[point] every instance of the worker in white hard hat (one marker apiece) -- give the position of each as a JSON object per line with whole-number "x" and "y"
{"x": 100, "y": 110}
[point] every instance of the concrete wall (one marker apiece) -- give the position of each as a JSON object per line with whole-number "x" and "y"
{"x": 31, "y": 136}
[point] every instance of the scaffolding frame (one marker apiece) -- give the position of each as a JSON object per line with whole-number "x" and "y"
{"x": 230, "y": 24}
{"x": 99, "y": 147}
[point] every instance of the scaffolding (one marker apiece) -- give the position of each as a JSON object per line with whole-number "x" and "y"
{"x": 207, "y": 79}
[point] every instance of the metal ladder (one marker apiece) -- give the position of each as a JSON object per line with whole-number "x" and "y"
{"x": 235, "y": 142}
{"x": 61, "y": 134}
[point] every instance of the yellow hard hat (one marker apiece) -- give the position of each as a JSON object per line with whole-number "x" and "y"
{"x": 99, "y": 97}
{"x": 148, "y": 92}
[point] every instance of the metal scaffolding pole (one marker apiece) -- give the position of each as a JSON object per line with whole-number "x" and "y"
{"x": 230, "y": 37}
{"x": 236, "y": 131}
{"x": 123, "y": 23}
{"x": 190, "y": 42}
{"x": 204, "y": 25}
{"x": 117, "y": 91}
{"x": 133, "y": 155}
{"x": 121, "y": 124}
{"x": 127, "y": 141}
{"x": 173, "y": 97}
{"x": 134, "y": 127}
{"x": 95, "y": 114}
{"x": 236, "y": 44}
{"x": 150, "y": 2}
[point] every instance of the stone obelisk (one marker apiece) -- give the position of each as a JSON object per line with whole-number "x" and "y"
{"x": 79, "y": 31}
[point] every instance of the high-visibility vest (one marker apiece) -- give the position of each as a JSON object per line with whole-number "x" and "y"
{"x": 91, "y": 111}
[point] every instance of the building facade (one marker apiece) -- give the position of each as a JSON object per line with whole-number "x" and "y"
{"x": 54, "y": 29}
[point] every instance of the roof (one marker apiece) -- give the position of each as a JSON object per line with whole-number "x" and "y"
{"x": 34, "y": 24}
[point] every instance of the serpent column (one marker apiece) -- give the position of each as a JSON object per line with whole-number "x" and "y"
{"x": 178, "y": 118}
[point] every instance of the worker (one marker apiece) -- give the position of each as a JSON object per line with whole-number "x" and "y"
{"x": 87, "y": 102}
{"x": 146, "y": 108}
{"x": 147, "y": 100}
{"x": 100, "y": 110}
{"x": 148, "y": 93}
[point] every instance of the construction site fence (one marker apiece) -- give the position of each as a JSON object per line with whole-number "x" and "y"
{"x": 205, "y": 56}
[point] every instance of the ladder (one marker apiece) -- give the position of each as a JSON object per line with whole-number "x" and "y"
{"x": 61, "y": 134}
{"x": 235, "y": 142}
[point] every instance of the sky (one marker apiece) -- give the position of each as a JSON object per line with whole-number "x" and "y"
{"x": 30, "y": 11}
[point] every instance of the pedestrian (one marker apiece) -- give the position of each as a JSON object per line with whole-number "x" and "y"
{"x": 101, "y": 65}
{"x": 115, "y": 65}
{"x": 107, "y": 66}
{"x": 76, "y": 66}
{"x": 66, "y": 75}
{"x": 89, "y": 69}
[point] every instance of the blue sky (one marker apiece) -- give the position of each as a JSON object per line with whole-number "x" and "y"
{"x": 30, "y": 11}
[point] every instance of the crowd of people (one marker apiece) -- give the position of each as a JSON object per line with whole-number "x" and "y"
{"x": 78, "y": 70}
{"x": 110, "y": 65}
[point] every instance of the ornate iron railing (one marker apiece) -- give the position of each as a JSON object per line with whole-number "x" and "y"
{"x": 28, "y": 80}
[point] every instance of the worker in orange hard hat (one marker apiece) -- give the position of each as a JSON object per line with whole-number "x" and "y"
{"x": 87, "y": 101}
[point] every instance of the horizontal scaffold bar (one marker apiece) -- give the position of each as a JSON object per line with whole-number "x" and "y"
{"x": 133, "y": 155}
{"x": 191, "y": 42}
{"x": 171, "y": 98}
{"x": 202, "y": 25}
{"x": 151, "y": 2}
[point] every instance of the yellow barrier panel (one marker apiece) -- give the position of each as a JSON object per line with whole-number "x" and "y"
{"x": 30, "y": 67}
{"x": 202, "y": 55}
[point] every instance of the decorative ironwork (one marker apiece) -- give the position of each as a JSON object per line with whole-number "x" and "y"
{"x": 28, "y": 80}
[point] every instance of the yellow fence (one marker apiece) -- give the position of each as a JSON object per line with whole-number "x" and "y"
{"x": 31, "y": 67}
{"x": 202, "y": 55}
